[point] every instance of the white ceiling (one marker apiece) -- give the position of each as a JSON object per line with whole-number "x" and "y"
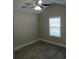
{"x": 19, "y": 3}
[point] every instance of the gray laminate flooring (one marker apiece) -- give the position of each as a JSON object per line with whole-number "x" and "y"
{"x": 40, "y": 50}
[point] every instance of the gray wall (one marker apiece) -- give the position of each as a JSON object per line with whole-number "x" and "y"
{"x": 28, "y": 26}
{"x": 54, "y": 10}
{"x": 25, "y": 28}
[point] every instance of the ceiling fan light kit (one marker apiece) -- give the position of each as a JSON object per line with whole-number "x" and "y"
{"x": 38, "y": 8}
{"x": 40, "y": 2}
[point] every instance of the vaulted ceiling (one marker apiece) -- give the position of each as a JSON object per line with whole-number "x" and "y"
{"x": 19, "y": 3}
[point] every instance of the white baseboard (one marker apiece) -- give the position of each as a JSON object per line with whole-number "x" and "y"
{"x": 17, "y": 48}
{"x": 52, "y": 42}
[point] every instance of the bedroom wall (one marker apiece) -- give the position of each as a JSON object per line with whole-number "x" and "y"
{"x": 54, "y": 10}
{"x": 25, "y": 28}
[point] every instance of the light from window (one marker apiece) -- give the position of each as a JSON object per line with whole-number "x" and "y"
{"x": 55, "y": 26}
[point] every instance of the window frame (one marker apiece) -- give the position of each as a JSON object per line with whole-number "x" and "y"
{"x": 55, "y": 26}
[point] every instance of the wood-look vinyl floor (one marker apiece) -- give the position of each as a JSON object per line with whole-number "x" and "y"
{"x": 40, "y": 50}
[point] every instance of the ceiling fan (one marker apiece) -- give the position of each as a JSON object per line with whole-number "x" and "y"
{"x": 37, "y": 5}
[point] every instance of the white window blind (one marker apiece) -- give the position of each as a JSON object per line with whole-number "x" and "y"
{"x": 55, "y": 26}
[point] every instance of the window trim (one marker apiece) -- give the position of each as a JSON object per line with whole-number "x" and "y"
{"x": 55, "y": 26}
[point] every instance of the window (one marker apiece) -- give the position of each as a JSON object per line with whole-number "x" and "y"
{"x": 55, "y": 26}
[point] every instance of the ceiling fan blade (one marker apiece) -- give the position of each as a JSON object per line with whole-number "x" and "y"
{"x": 32, "y": 7}
{"x": 24, "y": 6}
{"x": 41, "y": 7}
{"x": 28, "y": 4}
{"x": 46, "y": 4}
{"x": 37, "y": 2}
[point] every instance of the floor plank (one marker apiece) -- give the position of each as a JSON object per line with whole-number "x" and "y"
{"x": 40, "y": 50}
